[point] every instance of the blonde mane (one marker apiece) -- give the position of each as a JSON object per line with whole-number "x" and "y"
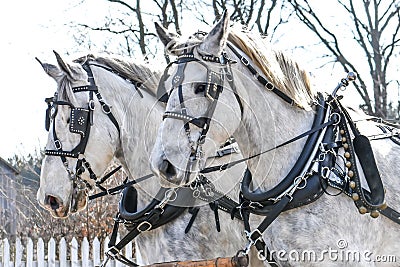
{"x": 279, "y": 69}
{"x": 138, "y": 72}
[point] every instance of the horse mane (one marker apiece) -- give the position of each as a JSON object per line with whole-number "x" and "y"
{"x": 278, "y": 68}
{"x": 138, "y": 72}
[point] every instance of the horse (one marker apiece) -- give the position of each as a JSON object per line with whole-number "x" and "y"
{"x": 231, "y": 82}
{"x": 105, "y": 110}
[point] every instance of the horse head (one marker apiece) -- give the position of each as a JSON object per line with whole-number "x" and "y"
{"x": 200, "y": 93}
{"x": 82, "y": 140}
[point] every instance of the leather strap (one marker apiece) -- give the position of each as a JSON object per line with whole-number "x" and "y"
{"x": 268, "y": 85}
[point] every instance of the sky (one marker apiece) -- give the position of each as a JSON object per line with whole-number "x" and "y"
{"x": 29, "y": 29}
{"x": 32, "y": 29}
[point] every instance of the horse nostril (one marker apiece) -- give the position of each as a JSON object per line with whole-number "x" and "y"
{"x": 52, "y": 202}
{"x": 167, "y": 168}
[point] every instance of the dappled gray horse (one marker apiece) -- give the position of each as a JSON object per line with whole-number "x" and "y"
{"x": 105, "y": 109}
{"x": 228, "y": 82}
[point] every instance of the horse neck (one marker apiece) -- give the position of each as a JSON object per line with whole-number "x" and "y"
{"x": 267, "y": 122}
{"x": 138, "y": 119}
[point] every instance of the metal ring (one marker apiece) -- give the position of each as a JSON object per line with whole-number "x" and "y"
{"x": 169, "y": 193}
{"x": 299, "y": 186}
{"x": 335, "y": 114}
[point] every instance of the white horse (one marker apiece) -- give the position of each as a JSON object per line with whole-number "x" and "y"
{"x": 329, "y": 231}
{"x": 138, "y": 115}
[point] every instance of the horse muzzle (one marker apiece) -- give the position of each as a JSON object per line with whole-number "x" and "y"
{"x": 55, "y": 206}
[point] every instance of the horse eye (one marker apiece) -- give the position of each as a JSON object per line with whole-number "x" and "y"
{"x": 199, "y": 88}
{"x": 68, "y": 120}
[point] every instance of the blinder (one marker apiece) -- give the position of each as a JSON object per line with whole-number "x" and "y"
{"x": 49, "y": 112}
{"x": 214, "y": 79}
{"x": 162, "y": 94}
{"x": 79, "y": 119}
{"x": 213, "y": 85}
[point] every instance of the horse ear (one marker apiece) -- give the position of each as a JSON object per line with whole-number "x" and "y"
{"x": 165, "y": 36}
{"x": 51, "y": 70}
{"x": 64, "y": 66}
{"x": 215, "y": 40}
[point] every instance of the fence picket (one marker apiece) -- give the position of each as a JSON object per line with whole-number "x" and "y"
{"x": 62, "y": 252}
{"x": 96, "y": 252}
{"x": 54, "y": 254}
{"x": 85, "y": 252}
{"x": 19, "y": 250}
{"x": 74, "y": 253}
{"x": 51, "y": 253}
{"x": 6, "y": 253}
{"x": 29, "y": 253}
{"x": 40, "y": 252}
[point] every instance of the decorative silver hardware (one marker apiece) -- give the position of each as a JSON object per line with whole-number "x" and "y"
{"x": 145, "y": 223}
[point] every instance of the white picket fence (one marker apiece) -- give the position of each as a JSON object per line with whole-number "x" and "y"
{"x": 57, "y": 255}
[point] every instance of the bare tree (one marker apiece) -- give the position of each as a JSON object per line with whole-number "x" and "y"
{"x": 134, "y": 23}
{"x": 375, "y": 28}
{"x": 266, "y": 16}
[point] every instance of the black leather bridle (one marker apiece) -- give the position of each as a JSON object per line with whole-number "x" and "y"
{"x": 212, "y": 90}
{"x": 81, "y": 120}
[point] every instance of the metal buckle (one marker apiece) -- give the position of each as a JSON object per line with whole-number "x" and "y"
{"x": 244, "y": 61}
{"x": 112, "y": 252}
{"x": 91, "y": 104}
{"x": 255, "y": 205}
{"x": 269, "y": 86}
{"x": 325, "y": 172}
{"x": 146, "y": 223}
{"x": 249, "y": 234}
{"x": 106, "y": 108}
{"x": 57, "y": 144}
{"x": 246, "y": 250}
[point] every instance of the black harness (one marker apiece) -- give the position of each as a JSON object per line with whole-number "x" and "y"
{"x": 212, "y": 89}
{"x": 166, "y": 206}
{"x": 80, "y": 122}
{"x": 318, "y": 165}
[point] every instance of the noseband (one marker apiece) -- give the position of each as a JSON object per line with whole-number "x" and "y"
{"x": 81, "y": 120}
{"x": 212, "y": 90}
